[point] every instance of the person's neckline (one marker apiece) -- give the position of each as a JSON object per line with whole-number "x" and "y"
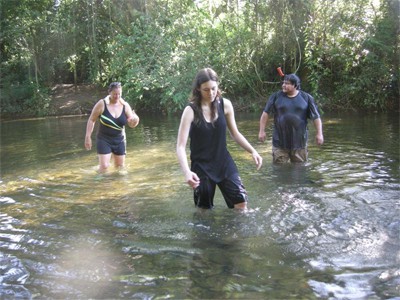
{"x": 110, "y": 104}
{"x": 292, "y": 96}
{"x": 210, "y": 122}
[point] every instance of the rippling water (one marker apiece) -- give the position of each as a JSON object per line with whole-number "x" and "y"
{"x": 327, "y": 229}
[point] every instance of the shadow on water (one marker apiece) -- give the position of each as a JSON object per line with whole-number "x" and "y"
{"x": 327, "y": 229}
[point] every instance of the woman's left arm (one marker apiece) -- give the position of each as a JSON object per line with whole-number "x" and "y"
{"x": 237, "y": 136}
{"x": 133, "y": 118}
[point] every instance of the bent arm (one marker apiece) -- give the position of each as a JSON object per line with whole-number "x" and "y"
{"x": 263, "y": 123}
{"x": 319, "y": 137}
{"x": 132, "y": 117}
{"x": 237, "y": 136}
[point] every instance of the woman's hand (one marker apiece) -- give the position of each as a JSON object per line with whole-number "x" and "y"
{"x": 192, "y": 180}
{"x": 88, "y": 143}
{"x": 257, "y": 159}
{"x": 133, "y": 121}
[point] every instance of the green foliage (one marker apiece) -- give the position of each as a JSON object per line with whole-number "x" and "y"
{"x": 24, "y": 52}
{"x": 346, "y": 52}
{"x": 351, "y": 55}
{"x": 24, "y": 99}
{"x": 160, "y": 77}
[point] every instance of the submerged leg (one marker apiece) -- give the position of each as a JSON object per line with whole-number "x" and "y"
{"x": 104, "y": 162}
{"x": 119, "y": 161}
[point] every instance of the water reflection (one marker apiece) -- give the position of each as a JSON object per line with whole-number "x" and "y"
{"x": 299, "y": 174}
{"x": 327, "y": 228}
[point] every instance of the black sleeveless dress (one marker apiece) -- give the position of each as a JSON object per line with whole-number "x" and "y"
{"x": 208, "y": 150}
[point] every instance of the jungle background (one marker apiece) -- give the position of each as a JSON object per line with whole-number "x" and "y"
{"x": 56, "y": 53}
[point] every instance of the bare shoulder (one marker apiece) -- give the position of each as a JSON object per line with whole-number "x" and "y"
{"x": 106, "y": 99}
{"x": 187, "y": 116}
{"x": 126, "y": 104}
{"x": 97, "y": 109}
{"x": 228, "y": 107}
{"x": 188, "y": 112}
{"x": 99, "y": 104}
{"x": 123, "y": 102}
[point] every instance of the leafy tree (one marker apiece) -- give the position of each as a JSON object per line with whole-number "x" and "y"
{"x": 23, "y": 50}
{"x": 342, "y": 70}
{"x": 344, "y": 51}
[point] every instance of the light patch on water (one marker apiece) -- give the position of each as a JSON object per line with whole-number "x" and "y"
{"x": 12, "y": 272}
{"x": 140, "y": 279}
{"x": 360, "y": 285}
{"x": 377, "y": 196}
{"x": 7, "y": 200}
{"x": 142, "y": 248}
{"x": 81, "y": 265}
{"x": 11, "y": 238}
{"x": 346, "y": 286}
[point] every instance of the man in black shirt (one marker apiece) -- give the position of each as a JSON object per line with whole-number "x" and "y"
{"x": 291, "y": 108}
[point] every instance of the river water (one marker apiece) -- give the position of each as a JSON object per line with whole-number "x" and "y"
{"x": 327, "y": 229}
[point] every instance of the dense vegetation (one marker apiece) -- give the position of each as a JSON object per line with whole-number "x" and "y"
{"x": 345, "y": 52}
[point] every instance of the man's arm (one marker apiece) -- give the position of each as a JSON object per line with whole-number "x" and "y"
{"x": 319, "y": 137}
{"x": 263, "y": 123}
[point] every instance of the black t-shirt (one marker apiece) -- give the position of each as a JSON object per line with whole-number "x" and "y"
{"x": 208, "y": 150}
{"x": 290, "y": 119}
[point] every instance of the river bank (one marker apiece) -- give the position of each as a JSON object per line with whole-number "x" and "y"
{"x": 68, "y": 99}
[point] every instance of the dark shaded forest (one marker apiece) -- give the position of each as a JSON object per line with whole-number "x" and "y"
{"x": 345, "y": 52}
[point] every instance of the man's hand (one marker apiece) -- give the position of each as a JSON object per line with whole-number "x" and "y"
{"x": 262, "y": 136}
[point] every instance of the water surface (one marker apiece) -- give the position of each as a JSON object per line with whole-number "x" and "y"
{"x": 325, "y": 229}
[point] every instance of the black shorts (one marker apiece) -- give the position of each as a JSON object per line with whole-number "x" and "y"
{"x": 231, "y": 188}
{"x": 107, "y": 145}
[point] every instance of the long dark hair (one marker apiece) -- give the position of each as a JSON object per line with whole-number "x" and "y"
{"x": 202, "y": 76}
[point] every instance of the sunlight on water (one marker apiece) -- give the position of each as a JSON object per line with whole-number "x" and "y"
{"x": 325, "y": 229}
